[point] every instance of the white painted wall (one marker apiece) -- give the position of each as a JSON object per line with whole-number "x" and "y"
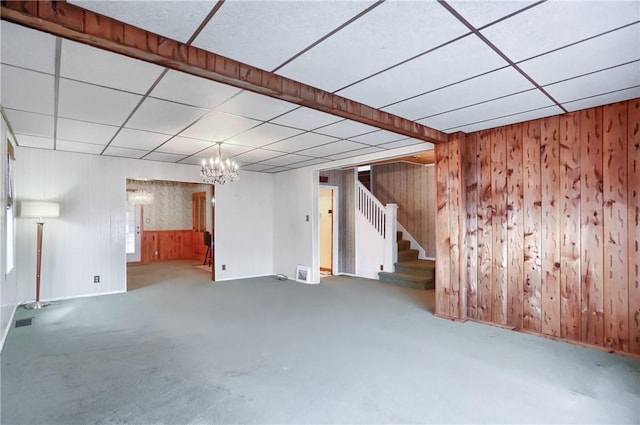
{"x": 88, "y": 239}
{"x": 369, "y": 248}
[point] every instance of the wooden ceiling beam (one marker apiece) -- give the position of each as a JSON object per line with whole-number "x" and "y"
{"x": 74, "y": 23}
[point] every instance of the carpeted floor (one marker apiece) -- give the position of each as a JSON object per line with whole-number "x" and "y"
{"x": 189, "y": 351}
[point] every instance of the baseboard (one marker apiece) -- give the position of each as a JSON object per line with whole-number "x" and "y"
{"x": 453, "y": 319}
{"x": 244, "y": 277}
{"x": 80, "y": 296}
{"x": 6, "y": 333}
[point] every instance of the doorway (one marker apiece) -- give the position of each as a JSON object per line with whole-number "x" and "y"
{"x": 328, "y": 208}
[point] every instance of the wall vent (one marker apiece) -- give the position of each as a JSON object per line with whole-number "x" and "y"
{"x": 24, "y": 322}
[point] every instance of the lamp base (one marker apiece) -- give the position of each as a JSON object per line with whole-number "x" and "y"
{"x": 36, "y": 305}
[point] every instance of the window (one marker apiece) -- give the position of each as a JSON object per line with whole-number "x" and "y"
{"x": 199, "y": 211}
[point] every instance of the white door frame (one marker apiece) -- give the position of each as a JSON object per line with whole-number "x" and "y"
{"x": 335, "y": 266}
{"x": 136, "y": 257}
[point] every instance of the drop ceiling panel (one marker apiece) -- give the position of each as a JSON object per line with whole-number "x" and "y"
{"x": 96, "y": 66}
{"x": 480, "y": 13}
{"x": 255, "y": 168}
{"x": 355, "y": 152}
{"x": 346, "y": 129}
{"x": 285, "y": 160}
{"x": 264, "y": 134}
{"x": 31, "y": 124}
{"x": 218, "y": 126}
{"x": 191, "y": 90}
{"x": 589, "y": 56}
{"x": 81, "y": 131}
{"x": 450, "y": 64}
{"x": 27, "y": 48}
{"x": 278, "y": 170}
{"x": 309, "y": 162}
{"x": 257, "y": 155}
{"x": 332, "y": 148}
{"x": 480, "y": 89}
{"x": 603, "y": 99}
{"x": 124, "y": 152}
{"x": 372, "y": 44}
{"x": 598, "y": 83}
{"x": 87, "y": 102}
{"x": 378, "y": 137}
{"x": 306, "y": 119}
{"x": 192, "y": 160}
{"x": 406, "y": 142}
{"x": 231, "y": 151}
{"x": 172, "y": 19}
{"x": 70, "y": 146}
{"x": 164, "y": 157}
{"x": 302, "y": 141}
{"x": 34, "y": 141}
{"x": 252, "y": 105}
{"x": 522, "y": 102}
{"x": 184, "y": 146}
{"x": 164, "y": 117}
{"x": 138, "y": 139}
{"x": 556, "y": 24}
{"x": 27, "y": 90}
{"x": 515, "y": 118}
{"x": 283, "y": 28}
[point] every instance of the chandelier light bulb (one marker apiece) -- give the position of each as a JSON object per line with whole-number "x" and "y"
{"x": 219, "y": 170}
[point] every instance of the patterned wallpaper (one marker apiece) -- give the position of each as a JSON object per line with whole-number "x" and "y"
{"x": 171, "y": 207}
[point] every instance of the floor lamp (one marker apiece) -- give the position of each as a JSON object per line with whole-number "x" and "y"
{"x": 39, "y": 210}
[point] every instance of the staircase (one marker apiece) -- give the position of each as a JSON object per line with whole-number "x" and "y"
{"x": 409, "y": 271}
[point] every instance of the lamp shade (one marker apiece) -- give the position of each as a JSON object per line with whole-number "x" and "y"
{"x": 39, "y": 209}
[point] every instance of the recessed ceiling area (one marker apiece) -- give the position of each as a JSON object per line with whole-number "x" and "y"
{"x": 452, "y": 66}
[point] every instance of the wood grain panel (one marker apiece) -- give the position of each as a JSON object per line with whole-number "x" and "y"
{"x": 471, "y": 244}
{"x": 168, "y": 244}
{"x": 485, "y": 228}
{"x": 570, "y": 188}
{"x": 457, "y": 228}
{"x": 591, "y": 229}
{"x": 515, "y": 232}
{"x": 499, "y": 226}
{"x": 614, "y": 178}
{"x": 633, "y": 214}
{"x": 532, "y": 308}
{"x": 443, "y": 263}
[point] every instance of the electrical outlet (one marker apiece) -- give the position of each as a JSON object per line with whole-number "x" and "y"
{"x": 96, "y": 279}
{"x": 381, "y": 267}
{"x": 224, "y": 267}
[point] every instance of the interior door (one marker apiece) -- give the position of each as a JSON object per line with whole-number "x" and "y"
{"x": 133, "y": 232}
{"x": 326, "y": 229}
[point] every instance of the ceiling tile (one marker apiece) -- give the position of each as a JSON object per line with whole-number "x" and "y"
{"x": 263, "y": 135}
{"x": 184, "y": 146}
{"x": 27, "y": 141}
{"x": 589, "y": 56}
{"x": 378, "y": 137}
{"x": 96, "y": 66}
{"x": 302, "y": 141}
{"x": 309, "y": 162}
{"x": 371, "y": 44}
{"x": 505, "y": 106}
{"x": 332, "y": 148}
{"x": 346, "y": 129}
{"x": 621, "y": 77}
{"x": 218, "y": 126}
{"x": 81, "y": 131}
{"x": 403, "y": 143}
{"x": 554, "y": 24}
{"x": 603, "y": 99}
{"x": 69, "y": 146}
{"x": 479, "y": 89}
{"x": 306, "y": 119}
{"x": 355, "y": 152}
{"x": 255, "y": 168}
{"x": 164, "y": 157}
{"x": 283, "y": 28}
{"x": 191, "y": 90}
{"x": 257, "y": 155}
{"x": 27, "y": 48}
{"x": 480, "y": 13}
{"x": 173, "y": 19}
{"x": 31, "y": 124}
{"x": 164, "y": 117}
{"x": 450, "y": 64}
{"x": 278, "y": 170}
{"x": 256, "y": 106}
{"x": 124, "y": 152}
{"x": 27, "y": 90}
{"x": 192, "y": 160}
{"x": 512, "y": 119}
{"x": 138, "y": 139}
{"x": 100, "y": 105}
{"x": 285, "y": 160}
{"x": 228, "y": 150}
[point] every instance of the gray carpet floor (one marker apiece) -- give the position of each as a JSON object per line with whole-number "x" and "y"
{"x": 189, "y": 351}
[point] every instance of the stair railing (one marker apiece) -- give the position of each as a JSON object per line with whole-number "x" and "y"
{"x": 384, "y": 220}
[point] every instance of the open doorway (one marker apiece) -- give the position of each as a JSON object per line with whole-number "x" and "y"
{"x": 327, "y": 214}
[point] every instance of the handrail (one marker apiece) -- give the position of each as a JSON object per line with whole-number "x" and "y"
{"x": 371, "y": 208}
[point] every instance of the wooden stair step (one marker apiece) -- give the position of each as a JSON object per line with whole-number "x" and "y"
{"x": 403, "y": 245}
{"x": 407, "y": 255}
{"x": 424, "y": 267}
{"x": 409, "y": 280}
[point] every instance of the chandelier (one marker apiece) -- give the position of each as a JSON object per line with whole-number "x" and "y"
{"x": 220, "y": 170}
{"x": 140, "y": 196}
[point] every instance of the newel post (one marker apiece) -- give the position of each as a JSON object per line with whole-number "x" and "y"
{"x": 390, "y": 237}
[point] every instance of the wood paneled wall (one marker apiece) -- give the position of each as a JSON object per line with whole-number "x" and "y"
{"x": 413, "y": 188}
{"x": 168, "y": 244}
{"x": 550, "y": 226}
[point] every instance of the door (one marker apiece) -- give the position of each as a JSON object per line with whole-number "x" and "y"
{"x": 326, "y": 229}
{"x": 133, "y": 232}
